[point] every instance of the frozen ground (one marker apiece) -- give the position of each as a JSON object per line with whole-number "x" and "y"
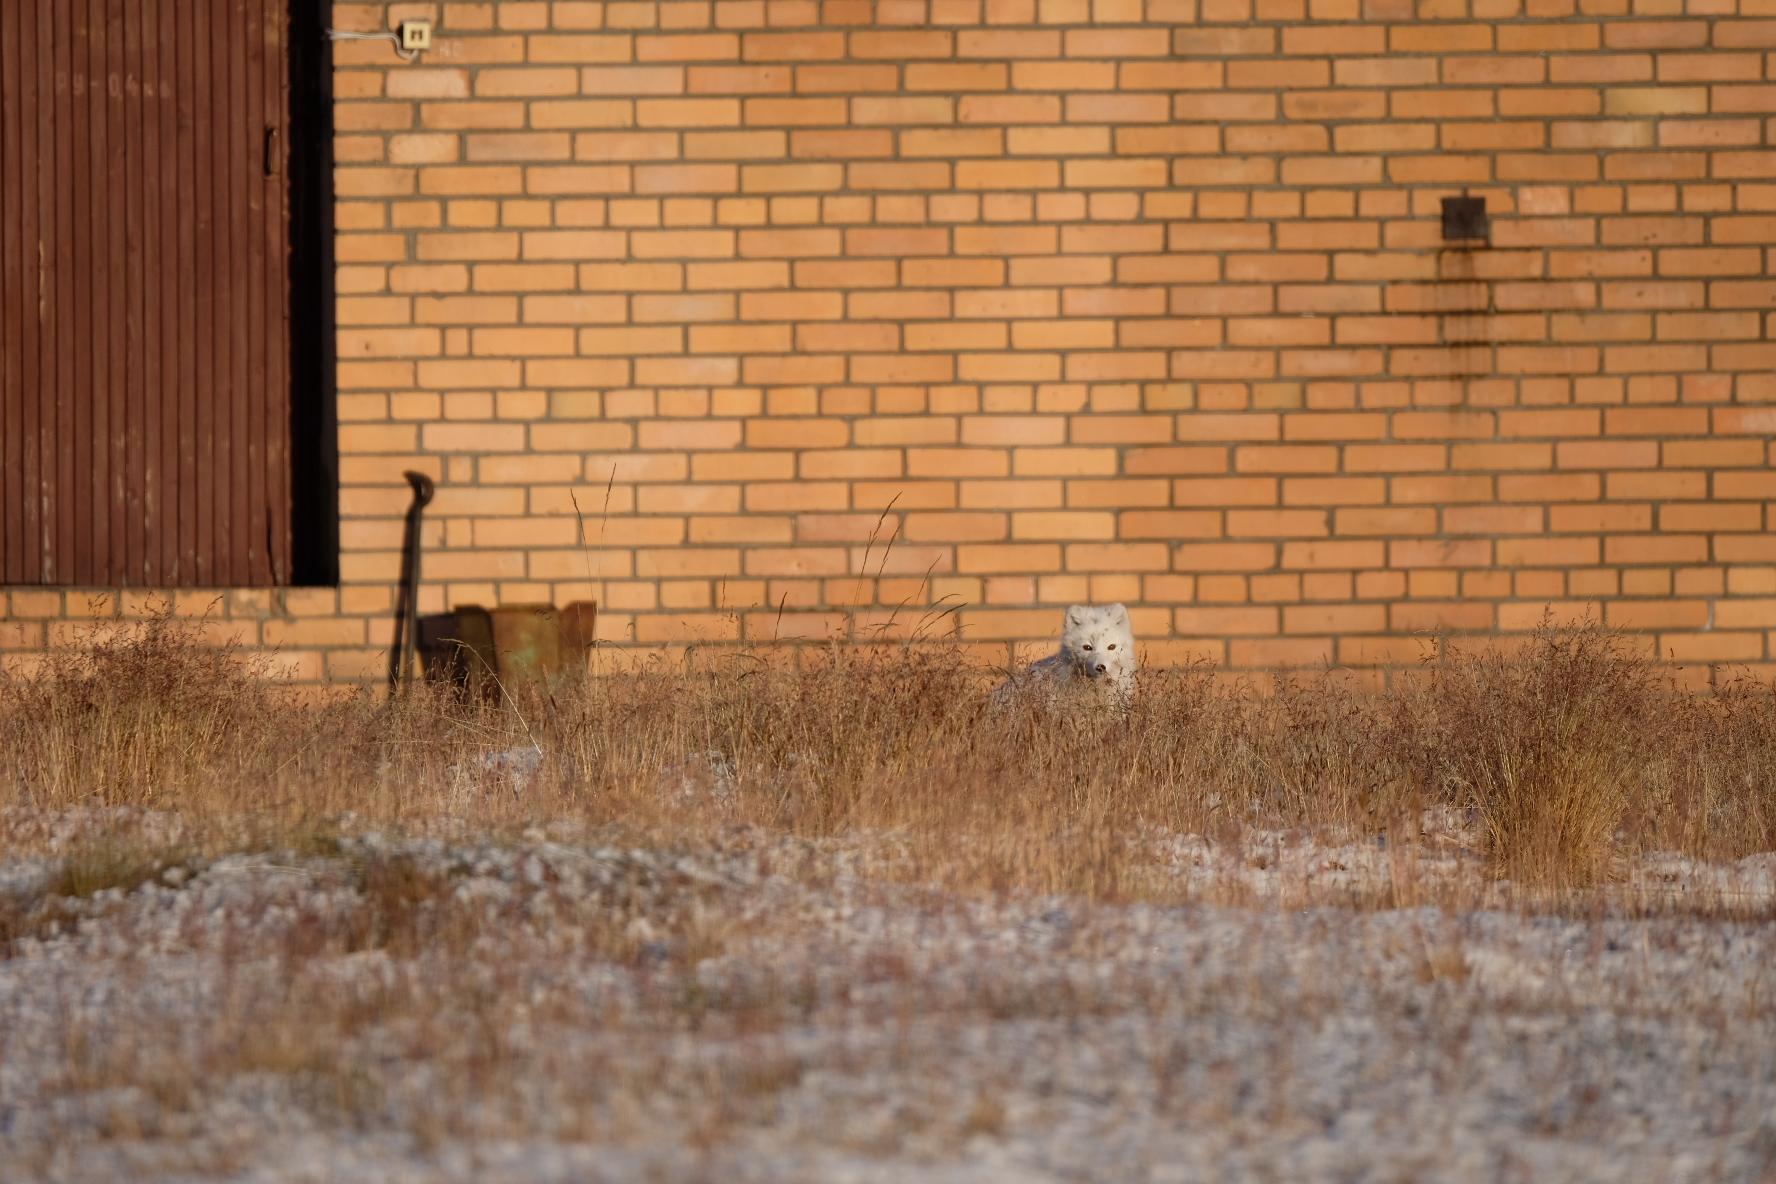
{"x": 765, "y": 1011}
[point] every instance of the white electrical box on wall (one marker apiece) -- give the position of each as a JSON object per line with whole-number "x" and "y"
{"x": 416, "y": 35}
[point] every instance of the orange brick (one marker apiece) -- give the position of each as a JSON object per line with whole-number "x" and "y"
{"x": 1009, "y": 557}
{"x": 687, "y": 47}
{"x": 902, "y": 45}
{"x": 1170, "y": 524}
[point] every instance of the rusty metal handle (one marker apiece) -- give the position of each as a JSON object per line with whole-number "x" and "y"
{"x": 406, "y": 638}
{"x": 271, "y": 151}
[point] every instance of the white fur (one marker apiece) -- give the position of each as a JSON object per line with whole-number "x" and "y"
{"x": 1097, "y": 653}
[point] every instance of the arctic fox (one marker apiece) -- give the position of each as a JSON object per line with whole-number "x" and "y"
{"x": 1097, "y": 654}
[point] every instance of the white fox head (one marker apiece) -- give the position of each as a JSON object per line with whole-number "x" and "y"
{"x": 1099, "y": 642}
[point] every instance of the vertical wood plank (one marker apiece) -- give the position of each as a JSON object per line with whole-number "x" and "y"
{"x": 203, "y": 182}
{"x": 75, "y": 462}
{"x": 190, "y": 327}
{"x": 249, "y": 427}
{"x": 13, "y": 294}
{"x": 55, "y": 425}
{"x": 129, "y": 515}
{"x": 232, "y": 410}
{"x": 170, "y": 391}
{"x": 32, "y": 78}
{"x": 276, "y": 468}
{"x": 95, "y": 565}
{"x": 143, "y": 410}
{"x": 58, "y": 355}
{"x": 111, "y": 547}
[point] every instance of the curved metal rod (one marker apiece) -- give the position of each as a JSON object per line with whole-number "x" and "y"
{"x": 405, "y": 54}
{"x": 406, "y": 638}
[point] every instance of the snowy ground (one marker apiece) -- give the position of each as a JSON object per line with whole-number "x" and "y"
{"x": 768, "y": 1011}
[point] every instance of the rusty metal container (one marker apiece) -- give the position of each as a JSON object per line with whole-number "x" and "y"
{"x": 458, "y": 648}
{"x": 579, "y": 622}
{"x": 472, "y": 645}
{"x": 527, "y": 641}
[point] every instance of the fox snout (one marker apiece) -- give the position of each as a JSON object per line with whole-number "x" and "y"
{"x": 1101, "y": 669}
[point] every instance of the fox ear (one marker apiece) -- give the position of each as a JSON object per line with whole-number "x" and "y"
{"x": 1118, "y": 612}
{"x": 1077, "y": 613}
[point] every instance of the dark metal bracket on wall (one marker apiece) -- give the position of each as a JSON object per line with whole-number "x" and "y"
{"x": 1465, "y": 220}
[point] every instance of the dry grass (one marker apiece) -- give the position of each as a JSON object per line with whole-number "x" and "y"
{"x": 1572, "y": 752}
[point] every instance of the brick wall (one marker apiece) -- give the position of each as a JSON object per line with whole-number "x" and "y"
{"x": 1069, "y": 299}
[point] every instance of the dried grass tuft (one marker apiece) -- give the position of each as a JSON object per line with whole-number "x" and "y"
{"x": 1554, "y": 745}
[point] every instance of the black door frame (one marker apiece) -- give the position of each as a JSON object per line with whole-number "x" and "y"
{"x": 314, "y": 421}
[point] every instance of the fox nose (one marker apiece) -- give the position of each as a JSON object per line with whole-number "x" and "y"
{"x": 1102, "y": 668}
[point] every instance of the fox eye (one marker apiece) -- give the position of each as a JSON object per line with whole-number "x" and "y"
{"x": 1112, "y": 646}
{"x": 1088, "y": 649}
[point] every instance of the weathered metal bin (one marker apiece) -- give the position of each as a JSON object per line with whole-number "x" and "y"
{"x": 513, "y": 643}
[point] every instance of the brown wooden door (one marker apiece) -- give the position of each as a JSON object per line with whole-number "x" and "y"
{"x": 144, "y": 279}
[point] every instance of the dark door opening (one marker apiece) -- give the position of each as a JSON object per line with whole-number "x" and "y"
{"x": 314, "y": 437}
